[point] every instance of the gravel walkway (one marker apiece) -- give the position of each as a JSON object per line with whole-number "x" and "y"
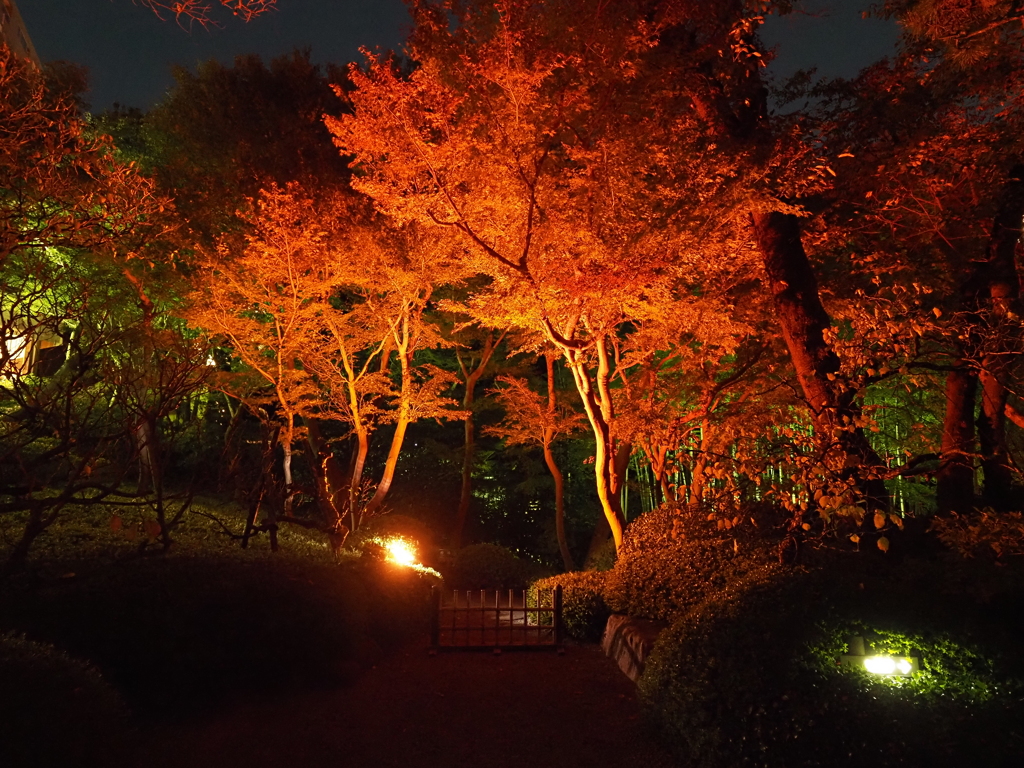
{"x": 460, "y": 709}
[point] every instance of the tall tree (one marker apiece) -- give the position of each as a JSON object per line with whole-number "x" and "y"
{"x": 544, "y": 138}
{"x": 225, "y": 132}
{"x": 325, "y": 308}
{"x": 932, "y": 199}
{"x": 531, "y": 418}
{"x": 79, "y": 363}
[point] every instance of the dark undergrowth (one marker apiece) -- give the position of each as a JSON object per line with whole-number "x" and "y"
{"x": 99, "y": 622}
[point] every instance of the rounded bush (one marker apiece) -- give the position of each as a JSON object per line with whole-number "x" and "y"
{"x": 672, "y": 560}
{"x": 753, "y": 680}
{"x": 584, "y": 611}
{"x": 55, "y": 710}
{"x": 489, "y": 566}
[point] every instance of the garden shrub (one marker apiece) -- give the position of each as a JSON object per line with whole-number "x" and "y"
{"x": 752, "y": 680}
{"x": 602, "y": 558}
{"x": 672, "y": 559}
{"x": 584, "y": 612}
{"x": 489, "y": 566}
{"x": 57, "y": 711}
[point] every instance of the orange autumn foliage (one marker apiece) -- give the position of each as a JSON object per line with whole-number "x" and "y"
{"x": 565, "y": 159}
{"x": 324, "y": 309}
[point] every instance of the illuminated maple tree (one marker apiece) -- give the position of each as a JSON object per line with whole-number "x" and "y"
{"x": 325, "y": 309}
{"x": 60, "y": 182}
{"x": 551, "y": 144}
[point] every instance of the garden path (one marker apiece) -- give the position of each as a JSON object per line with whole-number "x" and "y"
{"x": 458, "y": 710}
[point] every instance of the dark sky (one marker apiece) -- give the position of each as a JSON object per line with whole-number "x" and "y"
{"x": 830, "y": 35}
{"x": 129, "y": 52}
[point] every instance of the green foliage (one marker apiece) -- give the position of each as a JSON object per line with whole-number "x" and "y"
{"x": 57, "y": 711}
{"x": 948, "y": 667}
{"x": 86, "y": 538}
{"x": 753, "y": 680}
{"x": 488, "y": 566}
{"x": 584, "y": 611}
{"x": 672, "y": 560}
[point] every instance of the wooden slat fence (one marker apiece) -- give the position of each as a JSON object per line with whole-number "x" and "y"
{"x": 498, "y": 619}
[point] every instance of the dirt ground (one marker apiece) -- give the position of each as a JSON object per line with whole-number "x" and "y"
{"x": 535, "y": 709}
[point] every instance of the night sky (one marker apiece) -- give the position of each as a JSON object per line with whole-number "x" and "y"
{"x": 129, "y": 52}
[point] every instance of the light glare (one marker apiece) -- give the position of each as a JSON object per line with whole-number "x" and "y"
{"x": 401, "y": 552}
{"x": 881, "y": 665}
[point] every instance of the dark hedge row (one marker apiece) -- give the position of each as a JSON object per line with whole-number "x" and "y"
{"x": 186, "y": 631}
{"x": 57, "y": 711}
{"x": 746, "y": 674}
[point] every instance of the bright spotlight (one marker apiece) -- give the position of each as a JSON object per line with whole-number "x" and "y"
{"x": 400, "y": 551}
{"x": 880, "y": 665}
{"x": 900, "y": 666}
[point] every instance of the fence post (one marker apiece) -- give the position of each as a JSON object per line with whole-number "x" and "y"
{"x": 557, "y": 604}
{"x": 435, "y": 616}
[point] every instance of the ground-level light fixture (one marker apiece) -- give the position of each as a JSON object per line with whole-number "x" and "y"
{"x": 878, "y": 664}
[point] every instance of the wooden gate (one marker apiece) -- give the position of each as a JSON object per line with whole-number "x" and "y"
{"x": 497, "y": 619}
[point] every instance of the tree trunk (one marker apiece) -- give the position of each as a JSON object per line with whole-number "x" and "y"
{"x": 556, "y": 473}
{"x": 468, "y": 451}
{"x": 388, "y": 475}
{"x": 405, "y": 347}
{"x": 18, "y": 554}
{"x": 1000, "y": 285}
{"x": 700, "y": 466}
{"x": 356, "y": 477}
{"x": 286, "y": 463}
{"x": 330, "y": 483}
{"x": 955, "y": 488}
{"x": 598, "y": 538}
{"x": 597, "y": 403}
{"x": 147, "y": 450}
{"x": 471, "y": 376}
{"x": 270, "y": 437}
{"x": 803, "y": 319}
{"x": 997, "y": 490}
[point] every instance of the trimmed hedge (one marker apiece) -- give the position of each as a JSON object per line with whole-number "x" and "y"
{"x": 751, "y": 680}
{"x": 672, "y": 560}
{"x": 57, "y": 711}
{"x": 186, "y": 631}
{"x": 584, "y": 611}
{"x": 489, "y": 566}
